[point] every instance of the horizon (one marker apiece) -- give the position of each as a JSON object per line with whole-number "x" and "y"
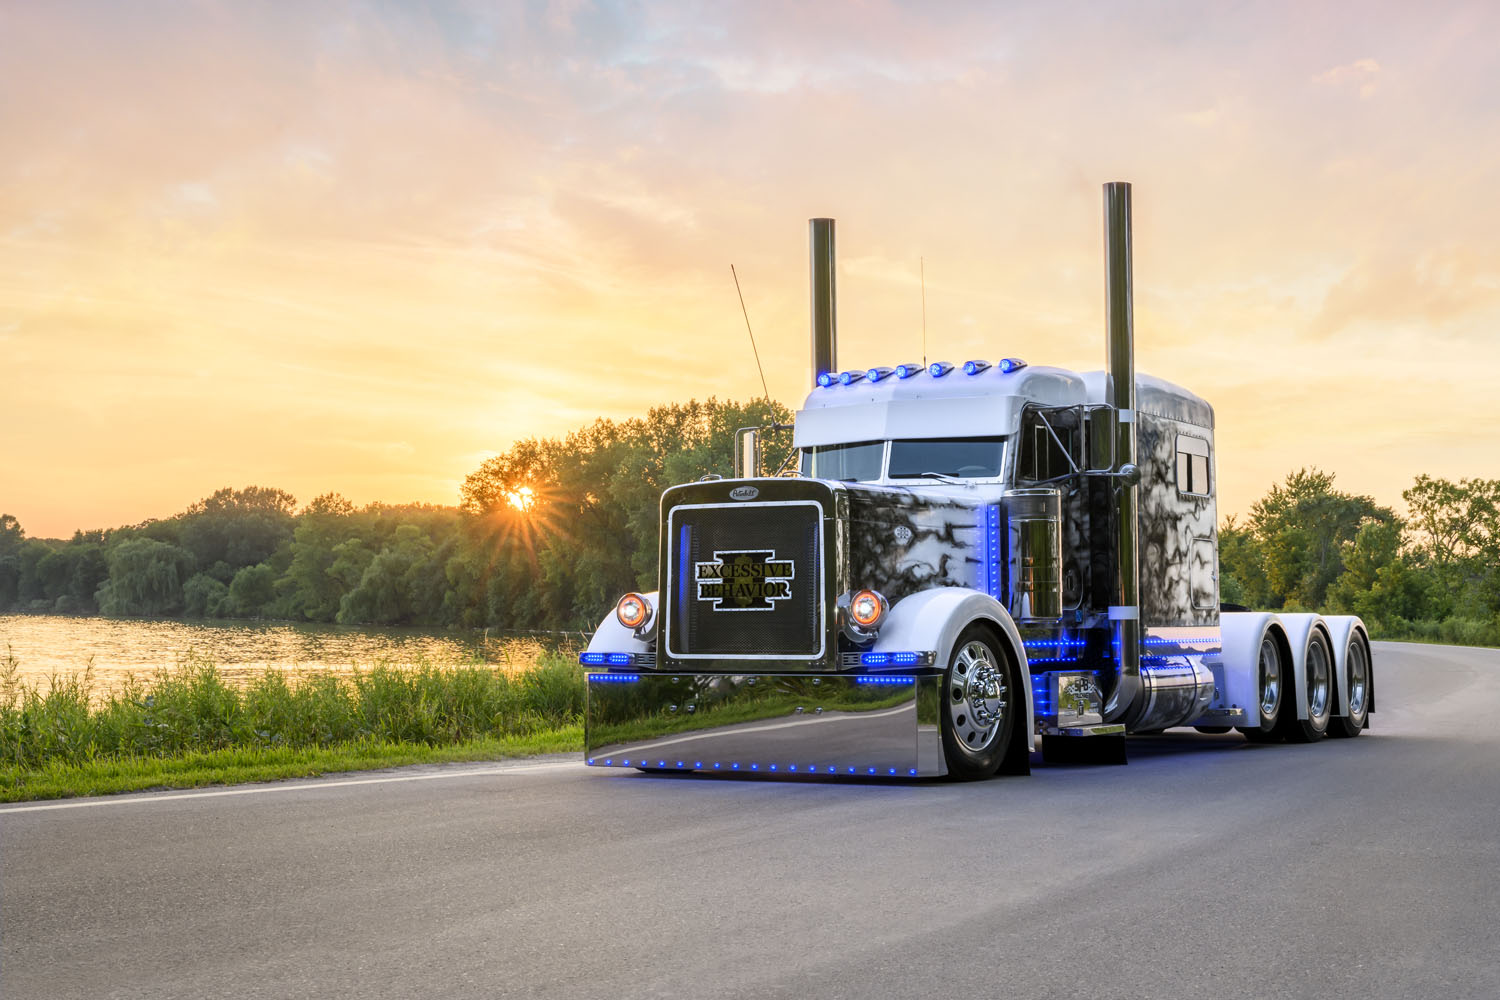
{"x": 356, "y": 251}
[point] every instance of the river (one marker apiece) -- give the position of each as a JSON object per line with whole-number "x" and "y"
{"x": 45, "y": 646}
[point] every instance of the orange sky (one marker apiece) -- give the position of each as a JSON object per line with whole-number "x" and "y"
{"x": 362, "y": 247}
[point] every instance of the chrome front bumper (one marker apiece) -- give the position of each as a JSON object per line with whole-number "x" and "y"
{"x": 872, "y": 725}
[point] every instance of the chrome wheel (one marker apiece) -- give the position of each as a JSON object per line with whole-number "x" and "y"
{"x": 1270, "y": 681}
{"x": 977, "y": 697}
{"x": 1319, "y": 683}
{"x": 1319, "y": 691}
{"x": 1359, "y": 680}
{"x": 1359, "y": 676}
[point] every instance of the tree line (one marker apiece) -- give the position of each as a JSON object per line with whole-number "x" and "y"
{"x": 548, "y": 534}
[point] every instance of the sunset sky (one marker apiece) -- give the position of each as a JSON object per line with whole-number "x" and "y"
{"x": 362, "y": 247}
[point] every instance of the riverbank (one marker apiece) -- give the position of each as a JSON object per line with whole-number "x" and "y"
{"x": 188, "y": 726}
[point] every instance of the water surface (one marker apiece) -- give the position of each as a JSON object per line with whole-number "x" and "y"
{"x": 115, "y": 648}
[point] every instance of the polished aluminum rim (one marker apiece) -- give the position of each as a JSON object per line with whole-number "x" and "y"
{"x": 1318, "y": 676}
{"x": 1359, "y": 680}
{"x": 1270, "y": 678}
{"x": 976, "y": 697}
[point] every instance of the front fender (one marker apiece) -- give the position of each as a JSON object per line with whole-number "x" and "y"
{"x": 612, "y": 637}
{"x": 933, "y": 619}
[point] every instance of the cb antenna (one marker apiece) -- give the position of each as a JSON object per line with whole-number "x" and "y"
{"x": 923, "y": 261}
{"x": 752, "y": 332}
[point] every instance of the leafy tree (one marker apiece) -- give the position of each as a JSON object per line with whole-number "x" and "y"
{"x": 1301, "y": 528}
{"x": 203, "y": 596}
{"x": 252, "y": 591}
{"x": 1378, "y": 584}
{"x": 145, "y": 578}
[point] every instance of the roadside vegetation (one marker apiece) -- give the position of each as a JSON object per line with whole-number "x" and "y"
{"x": 1432, "y": 576}
{"x": 187, "y": 726}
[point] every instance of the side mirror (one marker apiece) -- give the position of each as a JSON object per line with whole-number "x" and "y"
{"x": 747, "y": 453}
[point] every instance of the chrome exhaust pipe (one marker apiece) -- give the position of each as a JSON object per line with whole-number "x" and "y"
{"x": 1124, "y": 609}
{"x": 825, "y": 321}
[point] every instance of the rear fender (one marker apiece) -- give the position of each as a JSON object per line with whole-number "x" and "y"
{"x": 612, "y": 637}
{"x": 1241, "y": 633}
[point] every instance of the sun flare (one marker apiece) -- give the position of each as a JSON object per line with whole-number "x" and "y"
{"x": 522, "y": 499}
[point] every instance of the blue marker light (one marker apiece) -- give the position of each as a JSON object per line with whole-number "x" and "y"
{"x": 975, "y": 367}
{"x": 1012, "y": 364}
{"x": 826, "y": 379}
{"x": 591, "y": 659}
{"x": 620, "y": 659}
{"x": 939, "y": 368}
{"x": 905, "y": 659}
{"x": 907, "y": 371}
{"x": 875, "y": 659}
{"x": 849, "y": 378}
{"x": 876, "y": 374}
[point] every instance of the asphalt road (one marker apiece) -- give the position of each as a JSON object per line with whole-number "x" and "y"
{"x": 1208, "y": 867}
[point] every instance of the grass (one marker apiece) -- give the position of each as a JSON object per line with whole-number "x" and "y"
{"x": 187, "y": 726}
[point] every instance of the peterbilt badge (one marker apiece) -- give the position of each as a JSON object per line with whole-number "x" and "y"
{"x": 744, "y": 493}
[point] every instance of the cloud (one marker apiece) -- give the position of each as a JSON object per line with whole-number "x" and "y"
{"x": 1361, "y": 74}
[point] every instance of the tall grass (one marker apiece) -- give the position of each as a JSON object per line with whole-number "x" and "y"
{"x": 192, "y": 709}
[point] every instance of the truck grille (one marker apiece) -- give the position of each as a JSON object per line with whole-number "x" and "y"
{"x": 745, "y": 581}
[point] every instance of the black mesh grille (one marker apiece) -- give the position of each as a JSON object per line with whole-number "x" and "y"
{"x": 746, "y": 580}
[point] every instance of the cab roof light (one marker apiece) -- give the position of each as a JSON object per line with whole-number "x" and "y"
{"x": 975, "y": 367}
{"x": 877, "y": 374}
{"x": 849, "y": 378}
{"x": 1012, "y": 364}
{"x": 907, "y": 371}
{"x": 939, "y": 368}
{"x": 826, "y": 379}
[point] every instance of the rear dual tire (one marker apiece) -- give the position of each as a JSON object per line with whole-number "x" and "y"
{"x": 1319, "y": 685}
{"x": 1360, "y": 681}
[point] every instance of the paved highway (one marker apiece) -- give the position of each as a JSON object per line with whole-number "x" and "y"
{"x": 1208, "y": 867}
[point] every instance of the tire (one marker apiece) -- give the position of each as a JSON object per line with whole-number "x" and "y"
{"x": 1360, "y": 678}
{"x": 1319, "y": 695}
{"x": 982, "y": 698}
{"x": 1270, "y": 686}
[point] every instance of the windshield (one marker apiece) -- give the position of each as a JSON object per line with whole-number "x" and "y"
{"x": 964, "y": 458}
{"x": 848, "y": 462}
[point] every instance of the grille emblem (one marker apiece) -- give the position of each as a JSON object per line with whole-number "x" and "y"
{"x": 744, "y": 493}
{"x": 744, "y": 580}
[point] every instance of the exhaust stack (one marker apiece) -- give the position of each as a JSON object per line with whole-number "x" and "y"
{"x": 1124, "y": 611}
{"x": 825, "y": 323}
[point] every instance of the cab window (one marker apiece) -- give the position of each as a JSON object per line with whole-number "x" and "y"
{"x": 851, "y": 463}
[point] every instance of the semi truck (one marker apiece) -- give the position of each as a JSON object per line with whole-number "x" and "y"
{"x": 968, "y": 562}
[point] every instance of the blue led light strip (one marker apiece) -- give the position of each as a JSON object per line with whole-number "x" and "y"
{"x": 903, "y": 658}
{"x": 1055, "y": 643}
{"x": 990, "y": 577}
{"x": 614, "y": 678}
{"x": 612, "y": 659}
{"x": 755, "y": 766}
{"x": 886, "y": 679}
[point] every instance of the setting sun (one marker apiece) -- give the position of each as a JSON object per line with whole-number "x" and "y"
{"x": 522, "y": 499}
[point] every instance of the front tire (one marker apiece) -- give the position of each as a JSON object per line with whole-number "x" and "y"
{"x": 1358, "y": 677}
{"x": 1319, "y": 695}
{"x": 981, "y": 699}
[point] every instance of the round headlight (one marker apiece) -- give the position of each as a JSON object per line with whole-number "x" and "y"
{"x": 866, "y": 608}
{"x": 633, "y": 611}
